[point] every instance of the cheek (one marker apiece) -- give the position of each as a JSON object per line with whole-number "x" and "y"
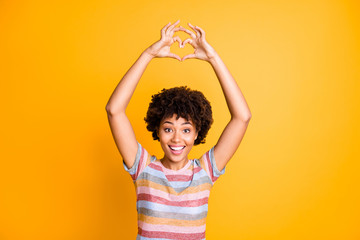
{"x": 164, "y": 138}
{"x": 191, "y": 138}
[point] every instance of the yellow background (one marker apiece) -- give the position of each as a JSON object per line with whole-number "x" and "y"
{"x": 296, "y": 173}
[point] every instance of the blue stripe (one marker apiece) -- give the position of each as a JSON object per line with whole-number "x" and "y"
{"x": 180, "y": 184}
{"x": 159, "y": 174}
{"x": 155, "y": 172}
{"x": 173, "y": 209}
{"x": 145, "y": 238}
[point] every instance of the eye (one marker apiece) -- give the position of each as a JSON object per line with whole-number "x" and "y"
{"x": 186, "y": 130}
{"x": 167, "y": 130}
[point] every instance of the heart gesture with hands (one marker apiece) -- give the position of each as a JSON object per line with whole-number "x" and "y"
{"x": 162, "y": 47}
{"x": 202, "y": 49}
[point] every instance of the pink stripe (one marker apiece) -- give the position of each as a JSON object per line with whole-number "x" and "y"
{"x": 156, "y": 167}
{"x": 213, "y": 178}
{"x": 179, "y": 178}
{"x": 188, "y": 203}
{"x": 206, "y": 165}
{"x": 197, "y": 169}
{"x": 172, "y": 197}
{"x": 140, "y": 162}
{"x": 209, "y": 164}
{"x": 187, "y": 176}
{"x": 170, "y": 228}
{"x": 169, "y": 235}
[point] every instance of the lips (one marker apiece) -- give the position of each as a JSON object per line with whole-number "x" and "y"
{"x": 176, "y": 149}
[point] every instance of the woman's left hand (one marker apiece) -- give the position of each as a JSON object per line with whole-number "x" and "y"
{"x": 202, "y": 48}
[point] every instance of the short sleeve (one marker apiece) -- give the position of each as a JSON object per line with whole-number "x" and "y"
{"x": 207, "y": 162}
{"x": 142, "y": 159}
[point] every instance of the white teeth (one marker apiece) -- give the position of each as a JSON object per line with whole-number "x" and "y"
{"x": 177, "y": 148}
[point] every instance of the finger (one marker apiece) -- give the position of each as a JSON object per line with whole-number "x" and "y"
{"x": 195, "y": 30}
{"x": 177, "y": 29}
{"x": 172, "y": 26}
{"x": 190, "y": 41}
{"x": 189, "y": 56}
{"x": 192, "y": 34}
{"x": 192, "y": 27}
{"x": 177, "y": 39}
{"x": 163, "y": 30}
{"x": 201, "y": 31}
{"x": 173, "y": 55}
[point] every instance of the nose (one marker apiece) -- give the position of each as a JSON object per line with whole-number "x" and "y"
{"x": 176, "y": 136}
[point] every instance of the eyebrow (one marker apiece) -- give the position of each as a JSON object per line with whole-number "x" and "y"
{"x": 187, "y": 122}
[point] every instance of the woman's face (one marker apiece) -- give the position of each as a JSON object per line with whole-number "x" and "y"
{"x": 177, "y": 137}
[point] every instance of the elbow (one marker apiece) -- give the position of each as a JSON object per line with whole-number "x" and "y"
{"x": 247, "y": 116}
{"x": 114, "y": 111}
{"x": 109, "y": 110}
{"x": 241, "y": 119}
{"x": 241, "y": 115}
{"x": 247, "y": 119}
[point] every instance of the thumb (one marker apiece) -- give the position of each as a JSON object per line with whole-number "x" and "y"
{"x": 189, "y": 56}
{"x": 173, "y": 55}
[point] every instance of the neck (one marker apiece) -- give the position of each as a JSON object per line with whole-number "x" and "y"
{"x": 173, "y": 165}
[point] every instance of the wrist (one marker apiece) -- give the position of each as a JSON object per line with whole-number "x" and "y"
{"x": 147, "y": 53}
{"x": 214, "y": 58}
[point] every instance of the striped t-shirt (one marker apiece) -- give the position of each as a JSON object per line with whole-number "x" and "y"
{"x": 172, "y": 204}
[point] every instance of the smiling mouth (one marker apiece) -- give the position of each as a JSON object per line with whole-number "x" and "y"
{"x": 176, "y": 148}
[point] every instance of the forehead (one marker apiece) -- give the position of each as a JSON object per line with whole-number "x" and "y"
{"x": 173, "y": 120}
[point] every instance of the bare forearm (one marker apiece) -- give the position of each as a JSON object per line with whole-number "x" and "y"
{"x": 122, "y": 94}
{"x": 234, "y": 98}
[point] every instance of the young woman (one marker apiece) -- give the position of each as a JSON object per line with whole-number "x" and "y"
{"x": 172, "y": 192}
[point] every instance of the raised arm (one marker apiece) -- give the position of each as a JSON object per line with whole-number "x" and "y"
{"x": 234, "y": 131}
{"x": 121, "y": 128}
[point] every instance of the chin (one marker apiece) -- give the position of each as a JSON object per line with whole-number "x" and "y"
{"x": 180, "y": 156}
{"x": 173, "y": 158}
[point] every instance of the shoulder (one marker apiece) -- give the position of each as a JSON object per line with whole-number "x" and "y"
{"x": 207, "y": 162}
{"x": 142, "y": 160}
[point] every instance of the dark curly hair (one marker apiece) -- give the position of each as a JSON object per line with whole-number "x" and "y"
{"x": 184, "y": 102}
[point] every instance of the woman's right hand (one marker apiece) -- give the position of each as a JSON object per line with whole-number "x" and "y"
{"x": 161, "y": 48}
